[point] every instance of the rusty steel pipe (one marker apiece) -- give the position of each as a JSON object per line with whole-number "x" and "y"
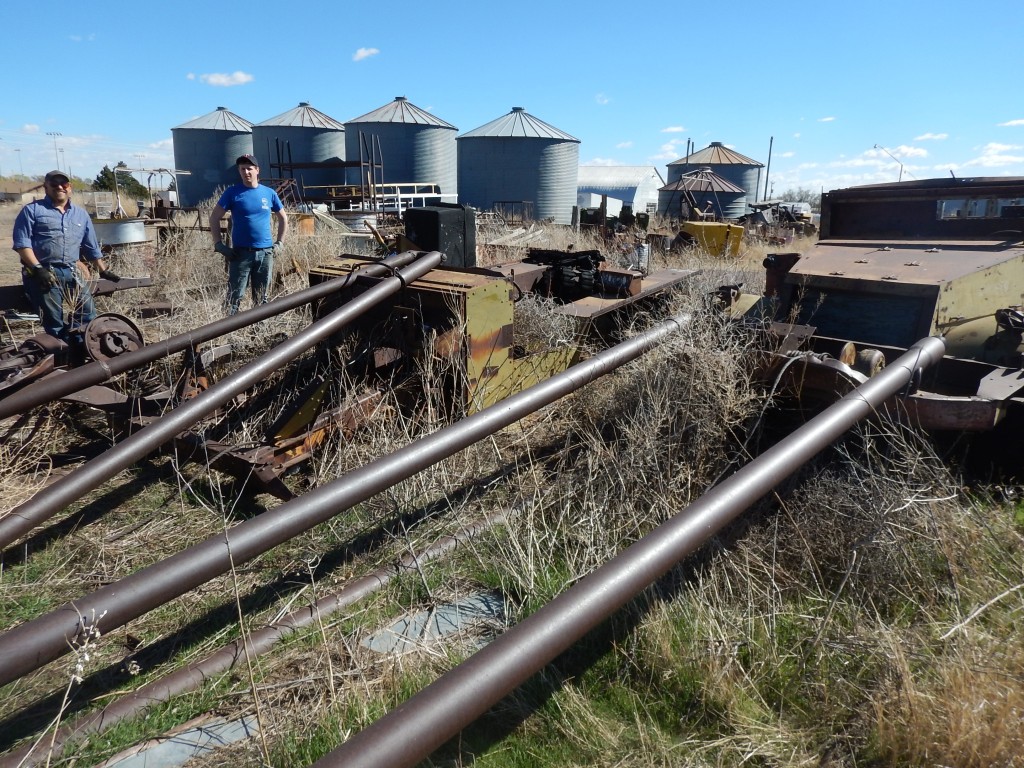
{"x": 54, "y": 387}
{"x": 193, "y": 676}
{"x": 418, "y": 726}
{"x": 37, "y": 642}
{"x": 48, "y": 501}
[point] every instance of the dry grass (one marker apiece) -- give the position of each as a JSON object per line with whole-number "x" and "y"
{"x": 867, "y": 615}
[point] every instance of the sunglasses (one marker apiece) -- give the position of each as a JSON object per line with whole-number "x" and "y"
{"x": 59, "y": 183}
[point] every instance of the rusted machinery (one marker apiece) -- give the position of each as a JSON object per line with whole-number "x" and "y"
{"x": 105, "y": 337}
{"x": 458, "y": 322}
{"x": 896, "y": 262}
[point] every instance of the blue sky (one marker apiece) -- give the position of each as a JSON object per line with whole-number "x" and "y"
{"x": 937, "y": 85}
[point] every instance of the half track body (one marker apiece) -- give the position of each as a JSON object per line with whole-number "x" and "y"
{"x": 896, "y": 263}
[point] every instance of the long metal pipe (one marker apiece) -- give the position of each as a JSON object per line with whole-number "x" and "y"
{"x": 412, "y": 731}
{"x": 51, "y": 499}
{"x": 49, "y": 389}
{"x": 192, "y": 676}
{"x": 31, "y": 645}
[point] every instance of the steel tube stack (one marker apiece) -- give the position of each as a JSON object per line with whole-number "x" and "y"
{"x": 33, "y": 644}
{"x": 49, "y": 389}
{"x": 93, "y": 473}
{"x": 417, "y": 727}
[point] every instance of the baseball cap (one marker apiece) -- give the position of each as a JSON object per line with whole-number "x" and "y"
{"x": 51, "y": 175}
{"x": 247, "y": 159}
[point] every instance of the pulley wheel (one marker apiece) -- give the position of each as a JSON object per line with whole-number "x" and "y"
{"x": 111, "y": 335}
{"x": 869, "y": 362}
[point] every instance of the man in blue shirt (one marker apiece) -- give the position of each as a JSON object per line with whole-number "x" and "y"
{"x": 50, "y": 235}
{"x": 251, "y": 255}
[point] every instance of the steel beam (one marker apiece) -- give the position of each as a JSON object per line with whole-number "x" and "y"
{"x": 417, "y": 727}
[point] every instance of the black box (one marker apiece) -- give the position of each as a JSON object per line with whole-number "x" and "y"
{"x": 446, "y": 227}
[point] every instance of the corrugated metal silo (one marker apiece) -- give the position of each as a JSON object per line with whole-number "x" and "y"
{"x": 300, "y": 135}
{"x": 207, "y": 148}
{"x": 730, "y": 165}
{"x": 415, "y": 146}
{"x": 520, "y": 159}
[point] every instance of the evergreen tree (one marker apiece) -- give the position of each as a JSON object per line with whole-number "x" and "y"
{"x": 128, "y": 185}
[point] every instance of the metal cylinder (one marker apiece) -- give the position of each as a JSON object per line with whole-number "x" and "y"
{"x": 46, "y": 390}
{"x": 39, "y": 641}
{"x": 192, "y": 676}
{"x": 410, "y": 733}
{"x": 90, "y": 475}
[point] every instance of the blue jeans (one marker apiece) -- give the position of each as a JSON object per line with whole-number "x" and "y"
{"x": 70, "y": 291}
{"x": 249, "y": 265}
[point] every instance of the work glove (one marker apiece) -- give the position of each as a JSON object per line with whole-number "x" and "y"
{"x": 224, "y": 251}
{"x": 44, "y": 276}
{"x": 106, "y": 274}
{"x": 278, "y": 246}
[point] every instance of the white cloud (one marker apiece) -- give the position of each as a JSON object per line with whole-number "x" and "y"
{"x": 788, "y": 154}
{"x": 673, "y": 129}
{"x": 902, "y": 151}
{"x": 163, "y": 144}
{"x": 364, "y": 53}
{"x": 931, "y": 137}
{"x": 30, "y": 128}
{"x": 82, "y": 38}
{"x": 602, "y": 161}
{"x": 826, "y": 119}
{"x": 190, "y": 76}
{"x": 624, "y": 145}
{"x": 995, "y": 155}
{"x": 1011, "y": 123}
{"x": 796, "y": 135}
{"x": 221, "y": 79}
{"x": 601, "y": 99}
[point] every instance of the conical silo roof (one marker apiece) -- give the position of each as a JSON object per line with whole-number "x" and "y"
{"x": 304, "y": 116}
{"x": 716, "y": 153}
{"x": 703, "y": 180}
{"x": 401, "y": 110}
{"x": 519, "y": 123}
{"x": 221, "y": 119}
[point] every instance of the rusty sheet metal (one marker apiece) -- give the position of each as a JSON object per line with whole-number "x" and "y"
{"x": 1001, "y": 384}
{"x": 900, "y": 261}
{"x": 653, "y": 283}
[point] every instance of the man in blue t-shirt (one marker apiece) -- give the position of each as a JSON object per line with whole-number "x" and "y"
{"x": 50, "y": 236}
{"x": 251, "y": 254}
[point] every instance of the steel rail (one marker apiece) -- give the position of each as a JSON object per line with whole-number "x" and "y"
{"x": 193, "y": 676}
{"x": 418, "y": 726}
{"x": 54, "y": 387}
{"x": 39, "y": 641}
{"x": 51, "y": 499}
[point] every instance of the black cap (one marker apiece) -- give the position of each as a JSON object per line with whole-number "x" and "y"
{"x": 57, "y": 174}
{"x": 247, "y": 159}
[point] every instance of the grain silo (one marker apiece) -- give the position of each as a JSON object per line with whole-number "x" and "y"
{"x": 706, "y": 190}
{"x": 412, "y": 147}
{"x": 518, "y": 162}
{"x": 728, "y": 164}
{"x": 299, "y": 136}
{"x": 207, "y": 148}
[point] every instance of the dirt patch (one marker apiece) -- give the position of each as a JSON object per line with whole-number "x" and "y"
{"x": 10, "y": 268}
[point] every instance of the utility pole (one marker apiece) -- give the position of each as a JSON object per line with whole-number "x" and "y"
{"x": 21, "y": 168}
{"x": 55, "y": 134}
{"x": 890, "y": 154}
{"x": 140, "y": 166}
{"x": 62, "y": 163}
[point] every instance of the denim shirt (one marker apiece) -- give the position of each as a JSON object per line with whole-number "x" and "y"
{"x": 55, "y": 236}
